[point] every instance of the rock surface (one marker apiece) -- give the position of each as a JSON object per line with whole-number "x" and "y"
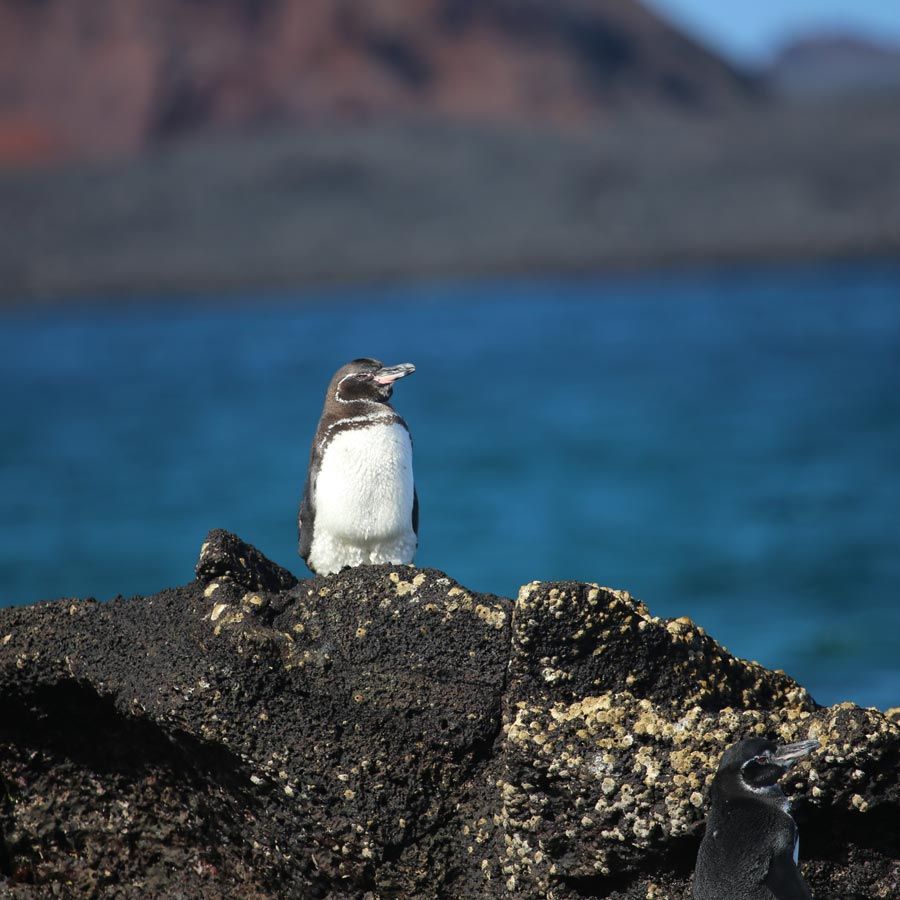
{"x": 386, "y": 732}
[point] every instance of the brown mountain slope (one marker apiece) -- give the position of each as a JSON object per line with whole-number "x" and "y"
{"x": 97, "y": 77}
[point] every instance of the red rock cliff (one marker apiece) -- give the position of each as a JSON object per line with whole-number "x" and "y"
{"x": 103, "y": 77}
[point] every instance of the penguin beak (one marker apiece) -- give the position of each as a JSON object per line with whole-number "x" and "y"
{"x": 789, "y": 754}
{"x": 390, "y": 374}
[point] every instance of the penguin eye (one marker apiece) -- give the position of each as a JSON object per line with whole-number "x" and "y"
{"x": 760, "y": 760}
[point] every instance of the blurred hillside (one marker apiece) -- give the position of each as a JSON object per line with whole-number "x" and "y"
{"x": 100, "y": 76}
{"x": 171, "y": 146}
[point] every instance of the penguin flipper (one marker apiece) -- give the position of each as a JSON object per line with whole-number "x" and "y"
{"x": 415, "y": 513}
{"x": 305, "y": 522}
{"x": 784, "y": 879}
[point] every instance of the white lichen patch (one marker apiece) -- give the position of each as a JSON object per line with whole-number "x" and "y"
{"x": 403, "y": 588}
{"x": 217, "y": 611}
{"x": 495, "y": 616}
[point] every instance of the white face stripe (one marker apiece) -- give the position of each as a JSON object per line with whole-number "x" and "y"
{"x": 756, "y": 790}
{"x": 772, "y": 790}
{"x": 337, "y": 390}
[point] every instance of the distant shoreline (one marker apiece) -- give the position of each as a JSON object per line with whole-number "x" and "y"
{"x": 315, "y": 293}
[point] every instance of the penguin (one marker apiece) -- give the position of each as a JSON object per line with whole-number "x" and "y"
{"x": 360, "y": 504}
{"x": 750, "y": 848}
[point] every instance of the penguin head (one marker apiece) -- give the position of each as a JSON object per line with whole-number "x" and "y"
{"x": 366, "y": 381}
{"x": 757, "y": 764}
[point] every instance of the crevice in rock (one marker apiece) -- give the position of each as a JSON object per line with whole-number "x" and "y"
{"x": 137, "y": 800}
{"x": 70, "y": 718}
{"x": 675, "y": 863}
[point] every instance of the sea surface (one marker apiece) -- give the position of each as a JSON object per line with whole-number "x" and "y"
{"x": 724, "y": 445}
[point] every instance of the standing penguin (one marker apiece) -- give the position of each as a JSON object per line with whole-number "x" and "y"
{"x": 359, "y": 504}
{"x": 750, "y": 848}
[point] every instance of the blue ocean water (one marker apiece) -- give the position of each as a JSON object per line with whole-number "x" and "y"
{"x": 724, "y": 445}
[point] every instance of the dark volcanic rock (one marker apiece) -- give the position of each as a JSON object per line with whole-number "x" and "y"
{"x": 386, "y": 733}
{"x": 225, "y": 556}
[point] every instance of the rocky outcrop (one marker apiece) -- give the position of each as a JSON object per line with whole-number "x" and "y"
{"x": 82, "y": 77}
{"x": 386, "y": 732}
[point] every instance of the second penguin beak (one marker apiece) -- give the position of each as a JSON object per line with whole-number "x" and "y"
{"x": 789, "y": 754}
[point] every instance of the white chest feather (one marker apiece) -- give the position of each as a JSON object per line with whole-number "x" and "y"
{"x": 363, "y": 499}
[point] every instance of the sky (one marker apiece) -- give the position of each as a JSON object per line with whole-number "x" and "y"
{"x": 749, "y": 30}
